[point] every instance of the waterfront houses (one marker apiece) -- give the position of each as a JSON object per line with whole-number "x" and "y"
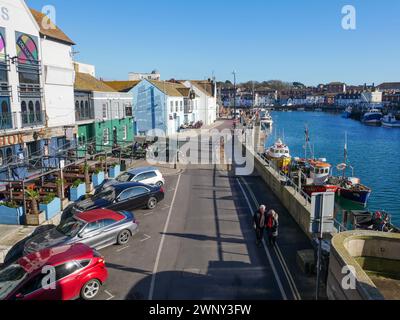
{"x": 103, "y": 115}
{"x": 36, "y": 86}
{"x": 206, "y": 109}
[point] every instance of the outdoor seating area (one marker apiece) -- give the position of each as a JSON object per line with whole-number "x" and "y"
{"x": 40, "y": 195}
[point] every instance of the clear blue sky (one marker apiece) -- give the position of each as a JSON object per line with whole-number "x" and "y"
{"x": 290, "y": 40}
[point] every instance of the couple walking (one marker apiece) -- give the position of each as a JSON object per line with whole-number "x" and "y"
{"x": 266, "y": 221}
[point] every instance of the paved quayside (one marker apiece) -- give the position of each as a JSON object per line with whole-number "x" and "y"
{"x": 200, "y": 244}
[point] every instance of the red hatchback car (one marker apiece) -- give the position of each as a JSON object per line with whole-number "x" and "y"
{"x": 61, "y": 273}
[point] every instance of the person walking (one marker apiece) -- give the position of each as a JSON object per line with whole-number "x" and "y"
{"x": 272, "y": 226}
{"x": 259, "y": 221}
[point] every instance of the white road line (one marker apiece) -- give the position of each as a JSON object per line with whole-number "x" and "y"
{"x": 111, "y": 296}
{"x": 279, "y": 254}
{"x": 146, "y": 237}
{"x": 153, "y": 278}
{"x": 271, "y": 262}
{"x": 148, "y": 214}
{"x": 122, "y": 249}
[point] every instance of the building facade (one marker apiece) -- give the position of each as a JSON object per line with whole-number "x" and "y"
{"x": 36, "y": 85}
{"x": 103, "y": 115}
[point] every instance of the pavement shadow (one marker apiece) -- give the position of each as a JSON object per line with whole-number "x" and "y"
{"x": 200, "y": 237}
{"x": 223, "y": 280}
{"x": 16, "y": 252}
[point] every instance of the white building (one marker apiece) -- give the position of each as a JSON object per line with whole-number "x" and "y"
{"x": 137, "y": 76}
{"x": 374, "y": 97}
{"x": 206, "y": 102}
{"x": 37, "y": 76}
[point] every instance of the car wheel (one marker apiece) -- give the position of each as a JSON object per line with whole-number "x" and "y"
{"x": 124, "y": 237}
{"x": 152, "y": 203}
{"x": 91, "y": 289}
{"x": 159, "y": 184}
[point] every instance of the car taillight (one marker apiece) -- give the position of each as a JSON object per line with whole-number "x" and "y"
{"x": 162, "y": 190}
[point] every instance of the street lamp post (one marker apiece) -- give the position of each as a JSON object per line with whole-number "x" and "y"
{"x": 234, "y": 116}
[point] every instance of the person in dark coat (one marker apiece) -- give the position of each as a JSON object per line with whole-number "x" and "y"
{"x": 272, "y": 227}
{"x": 259, "y": 221}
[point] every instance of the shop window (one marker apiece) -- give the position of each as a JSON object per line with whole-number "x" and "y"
{"x": 9, "y": 155}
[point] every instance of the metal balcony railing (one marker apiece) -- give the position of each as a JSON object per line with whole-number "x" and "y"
{"x": 7, "y": 120}
{"x": 29, "y": 66}
{"x": 4, "y": 62}
{"x": 32, "y": 119}
{"x": 5, "y": 89}
{"x": 30, "y": 90}
{"x": 85, "y": 117}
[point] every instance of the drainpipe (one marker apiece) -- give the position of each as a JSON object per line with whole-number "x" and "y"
{"x": 46, "y": 121}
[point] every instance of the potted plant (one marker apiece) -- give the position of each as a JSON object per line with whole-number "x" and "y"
{"x": 11, "y": 213}
{"x": 114, "y": 171}
{"x": 98, "y": 177}
{"x": 51, "y": 205}
{"x": 34, "y": 217}
{"x": 77, "y": 190}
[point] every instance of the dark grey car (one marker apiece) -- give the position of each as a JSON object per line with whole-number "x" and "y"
{"x": 98, "y": 229}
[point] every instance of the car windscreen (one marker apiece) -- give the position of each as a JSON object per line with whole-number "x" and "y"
{"x": 70, "y": 227}
{"x": 125, "y": 177}
{"x": 10, "y": 278}
{"x": 107, "y": 194}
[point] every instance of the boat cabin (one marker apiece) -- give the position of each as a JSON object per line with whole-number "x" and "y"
{"x": 278, "y": 150}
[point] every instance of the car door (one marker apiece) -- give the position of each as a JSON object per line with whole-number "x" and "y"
{"x": 91, "y": 235}
{"x": 33, "y": 289}
{"x": 133, "y": 198}
{"x": 109, "y": 232}
{"x": 150, "y": 178}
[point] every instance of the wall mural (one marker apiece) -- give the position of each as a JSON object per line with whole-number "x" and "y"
{"x": 27, "y": 51}
{"x": 2, "y": 46}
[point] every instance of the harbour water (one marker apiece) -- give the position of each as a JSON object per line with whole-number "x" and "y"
{"x": 374, "y": 152}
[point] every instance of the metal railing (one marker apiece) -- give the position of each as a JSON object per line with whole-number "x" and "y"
{"x": 30, "y": 90}
{"x": 7, "y": 120}
{"x": 5, "y": 89}
{"x": 31, "y": 119}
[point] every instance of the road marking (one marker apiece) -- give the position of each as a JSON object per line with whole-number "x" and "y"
{"x": 122, "y": 249}
{"x": 279, "y": 254}
{"x": 146, "y": 237}
{"x": 111, "y": 296}
{"x": 148, "y": 213}
{"x": 153, "y": 278}
{"x": 278, "y": 280}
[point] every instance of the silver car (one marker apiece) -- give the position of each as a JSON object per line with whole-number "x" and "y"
{"x": 97, "y": 228}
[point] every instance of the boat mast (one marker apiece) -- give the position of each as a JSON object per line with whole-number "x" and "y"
{"x": 345, "y": 156}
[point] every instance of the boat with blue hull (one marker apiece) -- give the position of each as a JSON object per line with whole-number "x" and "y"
{"x": 347, "y": 113}
{"x": 373, "y": 117}
{"x": 390, "y": 121}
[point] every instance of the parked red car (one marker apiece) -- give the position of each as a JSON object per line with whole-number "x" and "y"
{"x": 60, "y": 273}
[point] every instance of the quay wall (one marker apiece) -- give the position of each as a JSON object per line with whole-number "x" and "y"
{"x": 298, "y": 207}
{"x": 346, "y": 248}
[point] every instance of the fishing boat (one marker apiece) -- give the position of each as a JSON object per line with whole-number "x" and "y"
{"x": 312, "y": 175}
{"x": 266, "y": 120}
{"x": 279, "y": 154}
{"x": 350, "y": 188}
{"x": 366, "y": 220}
{"x": 347, "y": 113}
{"x": 372, "y": 117}
{"x": 390, "y": 121}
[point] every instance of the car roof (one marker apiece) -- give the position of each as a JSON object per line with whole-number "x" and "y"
{"x": 55, "y": 256}
{"x": 99, "y": 214}
{"x": 136, "y": 171}
{"x": 125, "y": 185}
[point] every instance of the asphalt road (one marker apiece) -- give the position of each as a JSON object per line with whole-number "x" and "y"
{"x": 200, "y": 244}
